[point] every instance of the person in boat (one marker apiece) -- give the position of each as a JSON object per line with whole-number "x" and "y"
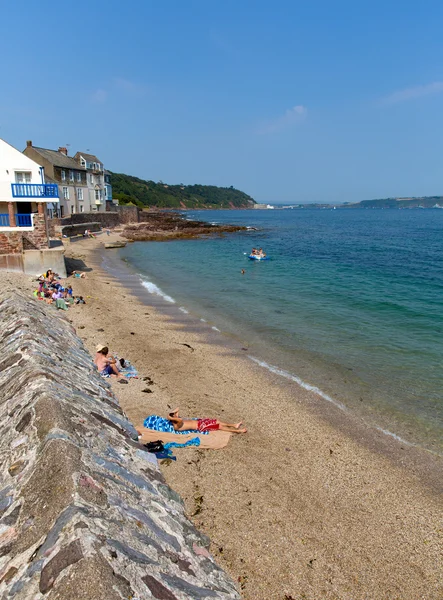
{"x": 202, "y": 425}
{"x": 254, "y": 251}
{"x": 261, "y": 253}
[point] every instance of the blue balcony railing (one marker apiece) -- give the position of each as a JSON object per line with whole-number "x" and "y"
{"x": 21, "y": 220}
{"x": 34, "y": 190}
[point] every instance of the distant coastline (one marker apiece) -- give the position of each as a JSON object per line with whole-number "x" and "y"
{"x": 421, "y": 202}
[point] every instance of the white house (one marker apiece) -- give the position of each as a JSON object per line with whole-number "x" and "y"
{"x": 23, "y": 198}
{"x": 95, "y": 179}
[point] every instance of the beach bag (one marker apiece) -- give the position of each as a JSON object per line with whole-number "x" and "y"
{"x": 156, "y": 446}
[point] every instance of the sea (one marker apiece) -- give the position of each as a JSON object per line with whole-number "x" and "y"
{"x": 349, "y": 304}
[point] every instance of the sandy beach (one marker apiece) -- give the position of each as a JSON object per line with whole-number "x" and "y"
{"x": 309, "y": 503}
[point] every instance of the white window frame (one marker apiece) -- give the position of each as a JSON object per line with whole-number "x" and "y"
{"x": 65, "y": 193}
{"x": 23, "y": 176}
{"x": 91, "y": 178}
{"x": 63, "y": 175}
{"x": 79, "y": 176}
{"x": 97, "y": 194}
{"x": 71, "y": 175}
{"x": 82, "y": 208}
{"x": 80, "y": 193}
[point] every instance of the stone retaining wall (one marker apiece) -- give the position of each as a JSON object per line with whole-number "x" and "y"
{"x": 85, "y": 513}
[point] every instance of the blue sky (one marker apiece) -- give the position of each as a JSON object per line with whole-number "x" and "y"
{"x": 290, "y": 101}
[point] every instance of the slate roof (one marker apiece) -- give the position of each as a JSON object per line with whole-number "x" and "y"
{"x": 59, "y": 159}
{"x": 89, "y": 157}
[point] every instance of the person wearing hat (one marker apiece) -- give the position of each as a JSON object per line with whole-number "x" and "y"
{"x": 105, "y": 364}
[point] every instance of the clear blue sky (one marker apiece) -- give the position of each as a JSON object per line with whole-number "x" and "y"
{"x": 290, "y": 101}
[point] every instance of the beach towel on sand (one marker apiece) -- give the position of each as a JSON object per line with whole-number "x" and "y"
{"x": 213, "y": 440}
{"x": 161, "y": 424}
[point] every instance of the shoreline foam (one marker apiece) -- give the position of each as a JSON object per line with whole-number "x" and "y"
{"x": 307, "y": 499}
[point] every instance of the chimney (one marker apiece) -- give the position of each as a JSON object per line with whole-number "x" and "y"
{"x": 29, "y": 143}
{"x": 63, "y": 151}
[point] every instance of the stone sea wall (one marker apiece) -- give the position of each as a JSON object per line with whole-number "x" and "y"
{"x": 85, "y": 513}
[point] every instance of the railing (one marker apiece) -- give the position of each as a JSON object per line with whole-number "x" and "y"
{"x": 34, "y": 190}
{"x": 22, "y": 220}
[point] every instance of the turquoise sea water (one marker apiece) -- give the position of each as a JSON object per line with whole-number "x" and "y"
{"x": 351, "y": 302}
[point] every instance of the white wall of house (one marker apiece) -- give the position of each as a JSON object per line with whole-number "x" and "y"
{"x": 15, "y": 167}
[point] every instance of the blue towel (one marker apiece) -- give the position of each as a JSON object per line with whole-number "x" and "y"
{"x": 194, "y": 442}
{"x": 161, "y": 424}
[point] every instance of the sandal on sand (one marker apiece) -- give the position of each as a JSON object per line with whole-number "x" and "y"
{"x": 123, "y": 381}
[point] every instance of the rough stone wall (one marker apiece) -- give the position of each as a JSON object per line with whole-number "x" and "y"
{"x": 11, "y": 242}
{"x": 121, "y": 216}
{"x": 15, "y": 242}
{"x": 79, "y": 229}
{"x": 105, "y": 219}
{"x": 38, "y": 238}
{"x": 128, "y": 214}
{"x": 84, "y": 510}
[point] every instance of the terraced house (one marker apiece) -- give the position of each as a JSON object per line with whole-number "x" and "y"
{"x": 69, "y": 175}
{"x": 24, "y": 197}
{"x": 95, "y": 180}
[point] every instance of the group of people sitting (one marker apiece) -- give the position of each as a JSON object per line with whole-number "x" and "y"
{"x": 258, "y": 252}
{"x": 53, "y": 292}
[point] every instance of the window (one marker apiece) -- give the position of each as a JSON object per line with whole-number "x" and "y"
{"x": 61, "y": 211}
{"x": 72, "y": 209}
{"x": 23, "y": 176}
{"x": 79, "y": 176}
{"x": 91, "y": 178}
{"x": 97, "y": 194}
{"x": 63, "y": 175}
{"x": 83, "y": 162}
{"x": 71, "y": 175}
{"x": 80, "y": 193}
{"x": 82, "y": 208}
{"x": 66, "y": 193}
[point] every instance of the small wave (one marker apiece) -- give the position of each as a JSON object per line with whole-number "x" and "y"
{"x": 393, "y": 435}
{"x": 303, "y": 384}
{"x": 183, "y": 309}
{"x": 316, "y": 390}
{"x": 215, "y": 328}
{"x": 154, "y": 289}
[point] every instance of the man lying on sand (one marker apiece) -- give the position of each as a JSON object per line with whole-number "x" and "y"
{"x": 202, "y": 425}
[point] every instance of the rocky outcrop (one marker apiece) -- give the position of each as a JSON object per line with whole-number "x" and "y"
{"x": 84, "y": 510}
{"x": 166, "y": 225}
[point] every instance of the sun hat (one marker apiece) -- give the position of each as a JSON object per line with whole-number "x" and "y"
{"x": 99, "y": 347}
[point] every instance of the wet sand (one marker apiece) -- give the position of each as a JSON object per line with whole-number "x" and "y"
{"x": 308, "y": 504}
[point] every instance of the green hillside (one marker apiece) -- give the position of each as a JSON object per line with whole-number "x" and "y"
{"x": 148, "y": 193}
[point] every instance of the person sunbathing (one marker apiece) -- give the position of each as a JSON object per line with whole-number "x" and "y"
{"x": 202, "y": 425}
